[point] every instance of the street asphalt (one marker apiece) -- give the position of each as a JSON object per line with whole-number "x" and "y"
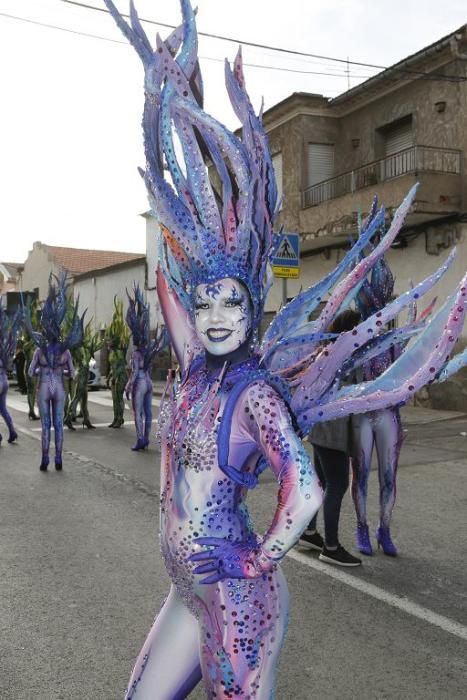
{"x": 81, "y": 578}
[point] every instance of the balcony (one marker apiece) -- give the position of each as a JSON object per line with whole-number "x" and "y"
{"x": 414, "y": 160}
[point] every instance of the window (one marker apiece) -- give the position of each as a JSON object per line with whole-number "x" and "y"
{"x": 277, "y": 165}
{"x": 398, "y": 136}
{"x": 398, "y": 152}
{"x": 320, "y": 162}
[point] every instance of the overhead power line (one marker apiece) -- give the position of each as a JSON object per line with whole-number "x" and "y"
{"x": 204, "y": 58}
{"x": 407, "y": 71}
{"x": 63, "y": 29}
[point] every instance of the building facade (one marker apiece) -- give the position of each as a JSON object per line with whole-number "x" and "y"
{"x": 98, "y": 288}
{"x": 10, "y": 274}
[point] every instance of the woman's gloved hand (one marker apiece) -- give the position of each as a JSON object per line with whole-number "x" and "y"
{"x": 223, "y": 559}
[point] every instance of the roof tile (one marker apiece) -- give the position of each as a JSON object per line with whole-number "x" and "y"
{"x": 81, "y": 260}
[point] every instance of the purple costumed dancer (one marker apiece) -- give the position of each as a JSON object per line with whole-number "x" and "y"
{"x": 376, "y": 429}
{"x": 9, "y": 328}
{"x": 241, "y": 405}
{"x": 139, "y": 385}
{"x": 379, "y": 429}
{"x": 52, "y": 361}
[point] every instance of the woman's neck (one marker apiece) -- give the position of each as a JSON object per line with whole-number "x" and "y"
{"x": 241, "y": 354}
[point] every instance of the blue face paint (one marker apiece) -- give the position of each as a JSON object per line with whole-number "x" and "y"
{"x": 222, "y": 316}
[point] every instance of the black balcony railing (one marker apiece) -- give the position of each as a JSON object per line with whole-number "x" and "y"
{"x": 411, "y": 160}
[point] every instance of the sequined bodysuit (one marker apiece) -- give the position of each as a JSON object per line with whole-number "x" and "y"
{"x": 380, "y": 430}
{"x": 3, "y": 407}
{"x": 139, "y": 386}
{"x": 51, "y": 366}
{"x": 240, "y": 622}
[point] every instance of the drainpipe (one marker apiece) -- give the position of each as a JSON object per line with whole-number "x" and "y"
{"x": 461, "y": 56}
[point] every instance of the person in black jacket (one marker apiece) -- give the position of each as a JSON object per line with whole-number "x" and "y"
{"x": 19, "y": 362}
{"x": 332, "y": 447}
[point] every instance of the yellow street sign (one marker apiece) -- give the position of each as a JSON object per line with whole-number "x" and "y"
{"x": 289, "y": 272}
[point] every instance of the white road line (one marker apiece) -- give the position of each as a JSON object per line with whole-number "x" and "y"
{"x": 21, "y": 405}
{"x": 104, "y": 401}
{"x": 17, "y": 404}
{"x": 26, "y": 431}
{"x": 380, "y": 594}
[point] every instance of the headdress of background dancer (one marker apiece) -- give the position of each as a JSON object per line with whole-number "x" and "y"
{"x": 9, "y": 330}
{"x": 138, "y": 321}
{"x": 56, "y": 328}
{"x": 376, "y": 292}
{"x": 137, "y": 318}
{"x": 212, "y": 232}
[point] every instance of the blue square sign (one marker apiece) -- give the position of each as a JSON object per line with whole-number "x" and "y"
{"x": 286, "y": 261}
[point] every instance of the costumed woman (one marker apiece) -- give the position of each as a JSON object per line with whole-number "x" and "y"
{"x": 52, "y": 362}
{"x": 117, "y": 339}
{"x": 91, "y": 344}
{"x": 9, "y": 328}
{"x": 139, "y": 385}
{"x": 381, "y": 429}
{"x": 240, "y": 405}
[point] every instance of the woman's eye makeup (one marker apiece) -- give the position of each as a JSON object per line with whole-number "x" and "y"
{"x": 233, "y": 302}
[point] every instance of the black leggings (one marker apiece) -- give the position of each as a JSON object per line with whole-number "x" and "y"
{"x": 332, "y": 467}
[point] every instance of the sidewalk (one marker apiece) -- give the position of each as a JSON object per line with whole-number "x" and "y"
{"x": 421, "y": 414}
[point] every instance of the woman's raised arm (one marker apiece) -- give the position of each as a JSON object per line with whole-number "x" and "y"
{"x": 178, "y": 322}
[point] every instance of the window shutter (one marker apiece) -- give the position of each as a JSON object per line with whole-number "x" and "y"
{"x": 277, "y": 165}
{"x": 320, "y": 162}
{"x": 399, "y": 138}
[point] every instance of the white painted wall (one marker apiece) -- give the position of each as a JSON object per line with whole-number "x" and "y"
{"x": 152, "y": 256}
{"x": 152, "y": 248}
{"x": 97, "y": 293}
{"x": 37, "y": 269}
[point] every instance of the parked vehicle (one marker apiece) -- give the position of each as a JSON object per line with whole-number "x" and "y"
{"x": 94, "y": 381}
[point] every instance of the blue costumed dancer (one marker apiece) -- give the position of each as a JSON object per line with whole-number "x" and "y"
{"x": 241, "y": 406}
{"x": 139, "y": 385}
{"x": 381, "y": 429}
{"x": 9, "y": 329}
{"x": 52, "y": 362}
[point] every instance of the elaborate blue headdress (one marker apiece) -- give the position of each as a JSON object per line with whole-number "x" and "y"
{"x": 137, "y": 318}
{"x": 53, "y": 317}
{"x": 9, "y": 329}
{"x": 211, "y": 232}
{"x": 377, "y": 290}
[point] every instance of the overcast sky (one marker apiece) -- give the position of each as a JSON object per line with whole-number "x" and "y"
{"x": 70, "y": 136}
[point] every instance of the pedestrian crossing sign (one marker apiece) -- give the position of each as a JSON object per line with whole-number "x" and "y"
{"x": 286, "y": 261}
